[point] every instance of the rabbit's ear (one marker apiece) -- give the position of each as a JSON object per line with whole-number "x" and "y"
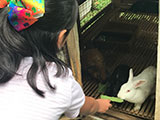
{"x": 130, "y": 75}
{"x": 139, "y": 83}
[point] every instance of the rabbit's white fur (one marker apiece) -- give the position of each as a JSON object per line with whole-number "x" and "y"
{"x": 138, "y": 88}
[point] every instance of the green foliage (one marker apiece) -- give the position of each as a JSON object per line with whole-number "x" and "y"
{"x": 102, "y": 88}
{"x": 97, "y": 6}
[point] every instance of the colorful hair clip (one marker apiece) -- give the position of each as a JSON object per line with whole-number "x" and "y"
{"x": 23, "y": 13}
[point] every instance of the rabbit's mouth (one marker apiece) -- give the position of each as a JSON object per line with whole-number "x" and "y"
{"x": 121, "y": 97}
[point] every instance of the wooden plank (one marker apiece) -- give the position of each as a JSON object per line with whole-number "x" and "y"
{"x": 74, "y": 53}
{"x": 118, "y": 115}
{"x": 91, "y": 117}
{"x": 157, "y": 105}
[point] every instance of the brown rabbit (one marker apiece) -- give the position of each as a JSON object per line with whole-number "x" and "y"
{"x": 93, "y": 63}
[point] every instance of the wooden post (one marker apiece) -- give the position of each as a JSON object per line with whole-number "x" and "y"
{"x": 157, "y": 105}
{"x": 74, "y": 53}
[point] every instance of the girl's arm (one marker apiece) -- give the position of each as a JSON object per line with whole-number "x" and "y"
{"x": 92, "y": 106}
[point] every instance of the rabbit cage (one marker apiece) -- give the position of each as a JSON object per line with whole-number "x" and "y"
{"x": 118, "y": 32}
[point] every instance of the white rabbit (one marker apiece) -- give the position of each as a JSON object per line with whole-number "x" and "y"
{"x": 138, "y": 88}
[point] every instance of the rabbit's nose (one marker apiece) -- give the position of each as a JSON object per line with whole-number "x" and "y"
{"x": 119, "y": 96}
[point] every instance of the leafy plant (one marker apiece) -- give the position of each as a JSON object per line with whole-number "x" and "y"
{"x": 97, "y": 6}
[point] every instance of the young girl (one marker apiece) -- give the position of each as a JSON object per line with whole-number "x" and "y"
{"x": 34, "y": 83}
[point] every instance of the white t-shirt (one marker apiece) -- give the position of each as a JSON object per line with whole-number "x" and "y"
{"x": 19, "y": 102}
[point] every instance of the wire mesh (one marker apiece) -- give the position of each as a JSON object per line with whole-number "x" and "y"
{"x": 90, "y": 8}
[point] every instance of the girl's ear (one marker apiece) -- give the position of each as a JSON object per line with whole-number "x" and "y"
{"x": 61, "y": 40}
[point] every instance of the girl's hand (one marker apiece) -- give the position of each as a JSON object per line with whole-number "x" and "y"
{"x": 104, "y": 105}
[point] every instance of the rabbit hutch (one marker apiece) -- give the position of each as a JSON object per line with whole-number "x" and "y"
{"x": 110, "y": 33}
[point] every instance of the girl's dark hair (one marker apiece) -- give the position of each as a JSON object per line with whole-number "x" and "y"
{"x": 38, "y": 41}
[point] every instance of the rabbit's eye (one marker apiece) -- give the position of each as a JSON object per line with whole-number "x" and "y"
{"x": 128, "y": 90}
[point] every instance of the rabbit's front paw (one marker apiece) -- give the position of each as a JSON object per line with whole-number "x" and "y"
{"x": 137, "y": 107}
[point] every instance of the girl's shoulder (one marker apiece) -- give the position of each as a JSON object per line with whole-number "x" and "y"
{"x": 66, "y": 77}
